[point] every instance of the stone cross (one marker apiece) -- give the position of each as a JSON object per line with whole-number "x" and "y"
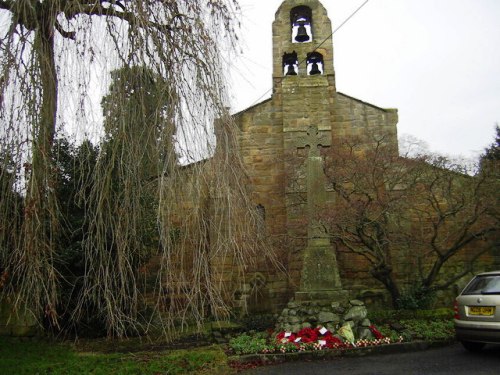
{"x": 313, "y": 139}
{"x": 320, "y": 275}
{"x": 316, "y": 193}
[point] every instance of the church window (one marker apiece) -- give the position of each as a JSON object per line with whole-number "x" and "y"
{"x": 261, "y": 217}
{"x": 314, "y": 63}
{"x": 301, "y": 20}
{"x": 290, "y": 64}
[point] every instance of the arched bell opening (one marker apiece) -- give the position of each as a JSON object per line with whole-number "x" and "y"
{"x": 301, "y": 20}
{"x": 290, "y": 64}
{"x": 315, "y": 65}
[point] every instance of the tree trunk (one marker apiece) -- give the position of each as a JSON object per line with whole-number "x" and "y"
{"x": 383, "y": 273}
{"x": 38, "y": 288}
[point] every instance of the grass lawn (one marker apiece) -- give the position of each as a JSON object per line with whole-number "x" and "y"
{"x": 133, "y": 356}
{"x": 44, "y": 357}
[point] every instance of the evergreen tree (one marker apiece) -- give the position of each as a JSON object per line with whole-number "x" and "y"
{"x": 75, "y": 168}
{"x": 12, "y": 208}
{"x": 490, "y": 159}
{"x": 136, "y": 107}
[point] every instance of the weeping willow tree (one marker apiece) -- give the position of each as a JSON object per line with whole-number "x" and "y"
{"x": 54, "y": 57}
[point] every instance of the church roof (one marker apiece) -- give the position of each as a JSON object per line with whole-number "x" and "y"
{"x": 252, "y": 107}
{"x": 339, "y": 93}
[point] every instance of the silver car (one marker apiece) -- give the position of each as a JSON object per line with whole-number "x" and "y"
{"x": 477, "y": 312}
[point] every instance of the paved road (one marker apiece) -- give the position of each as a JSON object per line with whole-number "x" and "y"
{"x": 448, "y": 360}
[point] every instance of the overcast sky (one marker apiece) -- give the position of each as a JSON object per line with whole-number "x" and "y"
{"x": 437, "y": 61}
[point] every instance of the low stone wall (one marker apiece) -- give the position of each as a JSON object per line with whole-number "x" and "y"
{"x": 331, "y": 315}
{"x": 15, "y": 323}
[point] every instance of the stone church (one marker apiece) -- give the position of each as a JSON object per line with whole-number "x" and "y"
{"x": 305, "y": 117}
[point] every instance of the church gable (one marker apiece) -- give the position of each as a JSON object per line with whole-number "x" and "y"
{"x": 284, "y": 142}
{"x": 354, "y": 118}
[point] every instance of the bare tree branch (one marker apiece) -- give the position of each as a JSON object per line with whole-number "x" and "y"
{"x": 387, "y": 205}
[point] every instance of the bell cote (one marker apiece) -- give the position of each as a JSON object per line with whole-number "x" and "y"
{"x": 302, "y": 41}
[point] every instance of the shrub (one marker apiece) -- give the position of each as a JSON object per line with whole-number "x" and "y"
{"x": 245, "y": 344}
{"x": 381, "y": 316}
{"x": 416, "y": 297}
{"x": 431, "y": 329}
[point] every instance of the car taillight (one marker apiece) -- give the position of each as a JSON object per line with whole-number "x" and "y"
{"x": 455, "y": 310}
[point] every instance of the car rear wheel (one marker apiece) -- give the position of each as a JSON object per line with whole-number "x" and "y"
{"x": 473, "y": 346}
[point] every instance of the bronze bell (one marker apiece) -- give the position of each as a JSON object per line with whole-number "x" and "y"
{"x": 291, "y": 71}
{"x": 302, "y": 35}
{"x": 314, "y": 69}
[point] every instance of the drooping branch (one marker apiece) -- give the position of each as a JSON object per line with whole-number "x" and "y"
{"x": 65, "y": 34}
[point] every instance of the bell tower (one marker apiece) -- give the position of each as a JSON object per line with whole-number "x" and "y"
{"x": 303, "y": 74}
{"x": 302, "y": 39}
{"x": 304, "y": 79}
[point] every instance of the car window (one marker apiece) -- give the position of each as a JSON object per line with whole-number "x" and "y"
{"x": 483, "y": 285}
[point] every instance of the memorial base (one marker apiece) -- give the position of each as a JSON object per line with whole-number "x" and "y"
{"x": 337, "y": 295}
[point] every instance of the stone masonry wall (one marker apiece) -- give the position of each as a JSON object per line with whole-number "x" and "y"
{"x": 261, "y": 147}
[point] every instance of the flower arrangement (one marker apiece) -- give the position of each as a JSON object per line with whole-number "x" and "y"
{"x": 320, "y": 338}
{"x": 307, "y": 340}
{"x": 376, "y": 332}
{"x": 308, "y": 335}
